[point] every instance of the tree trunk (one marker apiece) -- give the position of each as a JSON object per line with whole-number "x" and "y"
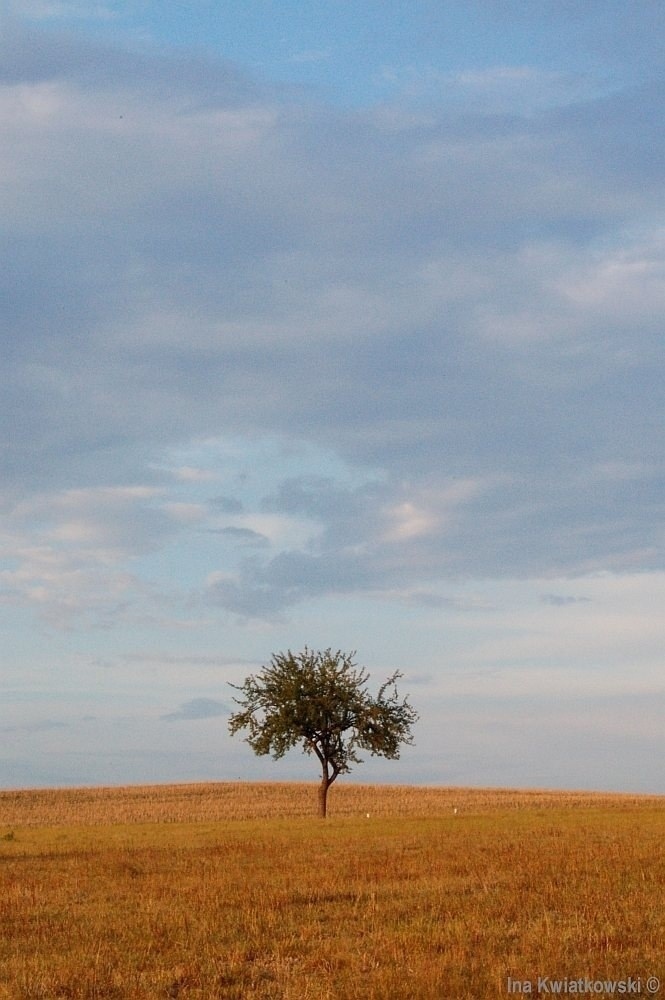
{"x": 329, "y": 771}
{"x": 328, "y": 775}
{"x": 323, "y": 796}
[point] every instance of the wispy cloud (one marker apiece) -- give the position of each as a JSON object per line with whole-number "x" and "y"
{"x": 41, "y": 726}
{"x": 243, "y": 536}
{"x": 562, "y": 600}
{"x": 495, "y": 90}
{"x": 311, "y": 56}
{"x": 45, "y": 10}
{"x": 197, "y": 708}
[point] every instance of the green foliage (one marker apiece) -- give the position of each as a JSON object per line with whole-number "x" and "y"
{"x": 319, "y": 700}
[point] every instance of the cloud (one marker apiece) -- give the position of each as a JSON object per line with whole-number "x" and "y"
{"x": 190, "y": 474}
{"x": 464, "y": 311}
{"x": 311, "y": 56}
{"x": 68, "y": 553}
{"x": 197, "y": 708}
{"x": 227, "y": 505}
{"x": 562, "y": 600}
{"x": 243, "y": 536}
{"x": 39, "y": 10}
{"x": 364, "y": 542}
{"x": 506, "y": 90}
{"x": 32, "y": 728}
{"x": 597, "y": 33}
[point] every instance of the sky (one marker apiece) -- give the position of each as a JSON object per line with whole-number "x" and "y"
{"x": 333, "y": 324}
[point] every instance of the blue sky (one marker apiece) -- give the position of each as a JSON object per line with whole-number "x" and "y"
{"x": 333, "y": 324}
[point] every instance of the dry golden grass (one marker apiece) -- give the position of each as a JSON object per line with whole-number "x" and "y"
{"x": 238, "y": 891}
{"x": 211, "y": 802}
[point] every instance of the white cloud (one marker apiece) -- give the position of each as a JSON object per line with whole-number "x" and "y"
{"x": 69, "y": 554}
{"x": 198, "y": 708}
{"x": 185, "y": 513}
{"x": 311, "y": 56}
{"x": 40, "y": 10}
{"x": 190, "y": 474}
{"x": 409, "y": 521}
{"x": 493, "y": 90}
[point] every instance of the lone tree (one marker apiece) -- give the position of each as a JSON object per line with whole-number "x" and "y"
{"x": 319, "y": 700}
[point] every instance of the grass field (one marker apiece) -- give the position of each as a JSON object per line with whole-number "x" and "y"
{"x": 239, "y": 891}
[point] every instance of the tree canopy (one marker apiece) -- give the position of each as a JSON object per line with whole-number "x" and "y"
{"x": 319, "y": 700}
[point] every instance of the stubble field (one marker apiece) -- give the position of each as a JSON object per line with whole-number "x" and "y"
{"x": 238, "y": 891}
